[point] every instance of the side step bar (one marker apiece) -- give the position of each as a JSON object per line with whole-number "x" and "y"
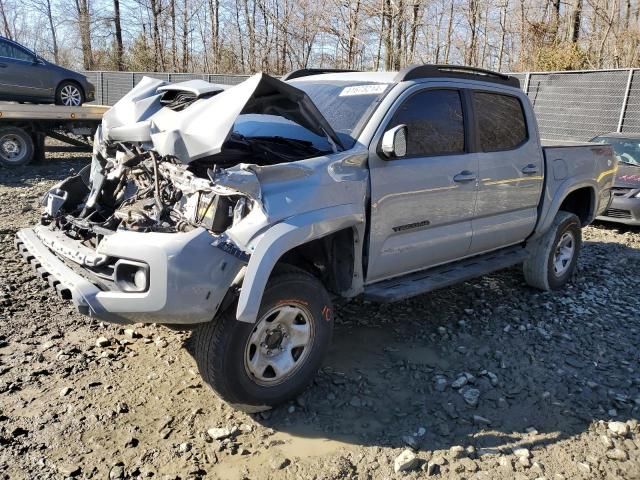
{"x": 417, "y": 283}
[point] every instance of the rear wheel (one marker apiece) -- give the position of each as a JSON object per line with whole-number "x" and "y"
{"x": 16, "y": 146}
{"x": 554, "y": 256}
{"x": 69, "y": 94}
{"x": 260, "y": 365}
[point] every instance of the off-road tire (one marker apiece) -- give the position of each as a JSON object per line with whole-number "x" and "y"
{"x": 220, "y": 344}
{"x": 61, "y": 93}
{"x": 21, "y": 149}
{"x": 538, "y": 268}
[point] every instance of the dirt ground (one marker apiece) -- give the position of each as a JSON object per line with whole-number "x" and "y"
{"x": 486, "y": 380}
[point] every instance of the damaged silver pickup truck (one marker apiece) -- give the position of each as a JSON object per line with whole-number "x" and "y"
{"x": 244, "y": 211}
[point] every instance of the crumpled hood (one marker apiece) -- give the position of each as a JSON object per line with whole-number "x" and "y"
{"x": 627, "y": 176}
{"x": 202, "y": 128}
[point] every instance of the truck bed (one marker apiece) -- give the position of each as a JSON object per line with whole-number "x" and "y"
{"x": 17, "y": 111}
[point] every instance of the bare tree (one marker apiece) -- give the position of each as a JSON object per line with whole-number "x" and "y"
{"x": 84, "y": 27}
{"x": 118, "y": 30}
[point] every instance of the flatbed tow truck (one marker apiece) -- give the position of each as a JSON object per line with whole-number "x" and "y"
{"x": 24, "y": 127}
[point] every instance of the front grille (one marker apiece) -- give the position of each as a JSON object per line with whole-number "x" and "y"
{"x": 617, "y": 213}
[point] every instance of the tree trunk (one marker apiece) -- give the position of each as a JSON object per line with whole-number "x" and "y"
{"x": 354, "y": 17}
{"x": 447, "y": 49}
{"x": 5, "y": 22}
{"x": 118, "y": 28}
{"x": 575, "y": 21}
{"x": 472, "y": 19}
{"x": 214, "y": 13}
{"x": 185, "y": 36}
{"x": 84, "y": 26}
{"x": 158, "y": 53}
{"x": 555, "y": 19}
{"x": 174, "y": 46}
{"x": 397, "y": 57}
{"x": 503, "y": 32}
{"x": 414, "y": 29}
{"x": 388, "y": 32}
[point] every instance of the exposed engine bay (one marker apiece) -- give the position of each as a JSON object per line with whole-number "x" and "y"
{"x": 139, "y": 191}
{"x": 168, "y": 158}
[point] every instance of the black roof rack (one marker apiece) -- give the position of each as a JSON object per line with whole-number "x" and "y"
{"x": 307, "y": 72}
{"x": 414, "y": 72}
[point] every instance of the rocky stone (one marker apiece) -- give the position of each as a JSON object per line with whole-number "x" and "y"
{"x": 617, "y": 454}
{"x": 468, "y": 465}
{"x": 524, "y": 461}
{"x": 606, "y": 441}
{"x": 584, "y": 467}
{"x": 65, "y": 391}
{"x": 69, "y": 470}
{"x": 440, "y": 384}
{"x": 619, "y": 428}
{"x": 103, "y": 342}
{"x": 478, "y": 420}
{"x": 132, "y": 334}
{"x": 506, "y": 463}
{"x": 471, "y": 396}
{"x": 219, "y": 433}
{"x": 278, "y": 462}
{"x": 117, "y": 472}
{"x": 457, "y": 451}
{"x": 405, "y": 462}
{"x": 459, "y": 382}
{"x": 522, "y": 453}
{"x": 184, "y": 447}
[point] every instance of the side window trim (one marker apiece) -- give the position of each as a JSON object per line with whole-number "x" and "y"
{"x": 476, "y": 126}
{"x": 465, "y": 119}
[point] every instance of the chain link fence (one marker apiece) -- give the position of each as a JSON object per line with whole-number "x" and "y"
{"x": 570, "y": 106}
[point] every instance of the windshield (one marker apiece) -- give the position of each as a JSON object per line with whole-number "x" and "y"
{"x": 627, "y": 150}
{"x": 345, "y": 104}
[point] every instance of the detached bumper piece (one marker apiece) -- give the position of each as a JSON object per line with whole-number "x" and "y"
{"x": 67, "y": 283}
{"x": 62, "y": 290}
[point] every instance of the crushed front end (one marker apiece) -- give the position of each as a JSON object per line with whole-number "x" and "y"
{"x": 154, "y": 229}
{"x": 136, "y": 238}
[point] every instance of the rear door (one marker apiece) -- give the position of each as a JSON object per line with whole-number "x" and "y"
{"x": 511, "y": 165}
{"x": 20, "y": 76}
{"x": 422, "y": 204}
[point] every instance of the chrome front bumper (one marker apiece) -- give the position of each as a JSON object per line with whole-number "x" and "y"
{"x": 188, "y": 275}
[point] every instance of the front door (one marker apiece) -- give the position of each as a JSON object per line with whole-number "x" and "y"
{"x": 422, "y": 204}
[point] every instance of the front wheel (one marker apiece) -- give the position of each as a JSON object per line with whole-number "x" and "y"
{"x": 69, "y": 94}
{"x": 256, "y": 366}
{"x": 554, "y": 256}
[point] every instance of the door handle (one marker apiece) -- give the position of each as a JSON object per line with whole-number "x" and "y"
{"x": 464, "y": 177}
{"x": 530, "y": 169}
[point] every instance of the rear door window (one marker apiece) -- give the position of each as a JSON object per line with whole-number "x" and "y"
{"x": 500, "y": 120}
{"x": 435, "y": 122}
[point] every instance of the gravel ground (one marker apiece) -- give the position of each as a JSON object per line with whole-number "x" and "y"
{"x": 486, "y": 380}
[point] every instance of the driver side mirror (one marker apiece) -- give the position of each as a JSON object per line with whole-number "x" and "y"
{"x": 394, "y": 142}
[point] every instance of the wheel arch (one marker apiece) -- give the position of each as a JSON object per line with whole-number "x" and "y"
{"x": 299, "y": 241}
{"x": 579, "y": 199}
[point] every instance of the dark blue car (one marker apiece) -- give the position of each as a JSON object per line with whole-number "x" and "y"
{"x": 25, "y": 77}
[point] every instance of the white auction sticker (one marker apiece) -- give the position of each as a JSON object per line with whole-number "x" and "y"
{"x": 363, "y": 90}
